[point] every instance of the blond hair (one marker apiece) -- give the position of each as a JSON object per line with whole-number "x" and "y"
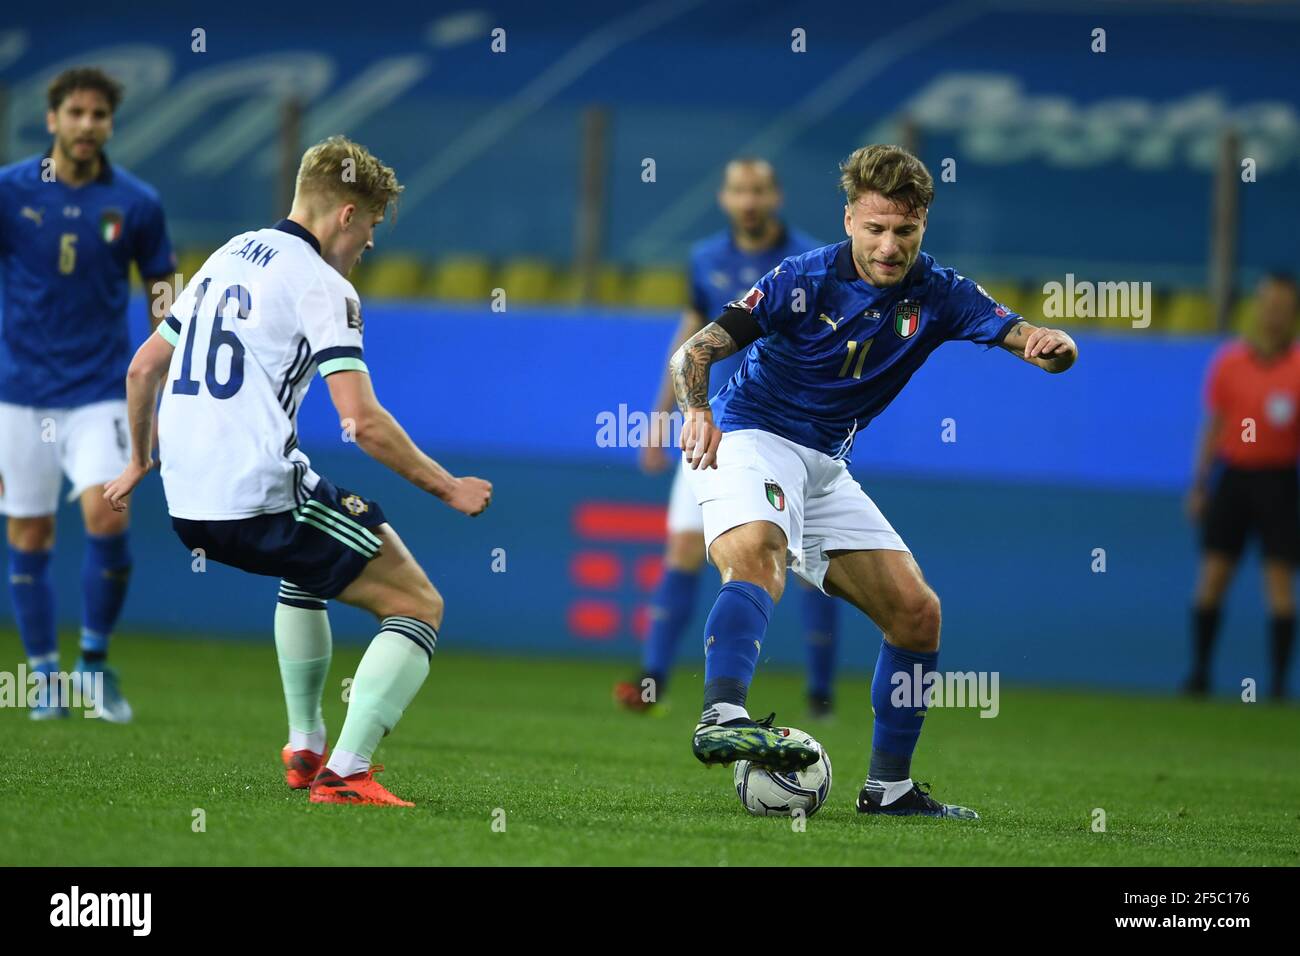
{"x": 891, "y": 171}
{"x": 344, "y": 171}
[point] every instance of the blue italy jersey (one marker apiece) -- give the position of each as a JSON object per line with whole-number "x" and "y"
{"x": 721, "y": 272}
{"x": 65, "y": 258}
{"x": 835, "y": 349}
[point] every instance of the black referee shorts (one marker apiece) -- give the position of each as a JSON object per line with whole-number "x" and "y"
{"x": 1260, "y": 501}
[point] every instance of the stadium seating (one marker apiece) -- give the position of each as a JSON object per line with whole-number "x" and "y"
{"x": 1186, "y": 311}
{"x": 527, "y": 281}
{"x": 470, "y": 279}
{"x": 658, "y": 288}
{"x": 609, "y": 288}
{"x": 395, "y": 277}
{"x": 460, "y": 279}
{"x": 191, "y": 261}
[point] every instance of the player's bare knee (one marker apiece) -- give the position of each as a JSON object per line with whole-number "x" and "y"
{"x": 31, "y": 534}
{"x": 917, "y": 621}
{"x": 433, "y": 605}
{"x": 760, "y": 565}
{"x": 419, "y": 600}
{"x": 107, "y": 524}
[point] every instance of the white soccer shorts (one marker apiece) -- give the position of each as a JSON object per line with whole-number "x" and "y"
{"x": 38, "y": 446}
{"x": 807, "y": 494}
{"x": 683, "y": 510}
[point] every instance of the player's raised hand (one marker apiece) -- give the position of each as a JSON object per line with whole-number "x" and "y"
{"x": 119, "y": 489}
{"x": 700, "y": 438}
{"x": 470, "y": 496}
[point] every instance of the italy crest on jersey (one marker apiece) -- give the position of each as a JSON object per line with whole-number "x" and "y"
{"x": 110, "y": 224}
{"x": 907, "y": 319}
{"x": 775, "y": 496}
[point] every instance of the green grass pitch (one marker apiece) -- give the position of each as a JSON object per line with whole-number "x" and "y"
{"x": 579, "y": 783}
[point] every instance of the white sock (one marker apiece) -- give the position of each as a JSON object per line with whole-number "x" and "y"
{"x": 890, "y": 790}
{"x": 304, "y": 646}
{"x": 308, "y": 740}
{"x": 345, "y": 763}
{"x": 387, "y": 679}
{"x": 721, "y": 713}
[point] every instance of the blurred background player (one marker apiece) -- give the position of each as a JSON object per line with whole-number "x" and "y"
{"x": 722, "y": 268}
{"x": 1246, "y": 482}
{"x": 253, "y": 501}
{"x": 71, "y": 224}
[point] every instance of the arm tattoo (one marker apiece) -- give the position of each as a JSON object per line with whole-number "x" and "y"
{"x": 1018, "y": 331}
{"x": 690, "y": 364}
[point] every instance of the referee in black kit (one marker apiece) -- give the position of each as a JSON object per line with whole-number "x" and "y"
{"x": 1246, "y": 476}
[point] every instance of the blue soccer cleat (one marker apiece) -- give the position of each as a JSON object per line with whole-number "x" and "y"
{"x": 47, "y": 712}
{"x": 917, "y": 802}
{"x": 114, "y": 708}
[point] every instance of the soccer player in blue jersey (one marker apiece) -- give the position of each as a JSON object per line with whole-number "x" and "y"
{"x": 837, "y": 333}
{"x": 71, "y": 224}
{"x": 722, "y": 267}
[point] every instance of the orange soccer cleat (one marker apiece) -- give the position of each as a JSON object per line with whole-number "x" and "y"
{"x": 329, "y": 787}
{"x": 628, "y": 696}
{"x": 301, "y": 767}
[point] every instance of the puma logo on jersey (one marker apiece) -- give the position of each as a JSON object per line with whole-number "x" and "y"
{"x": 35, "y": 215}
{"x": 833, "y": 323}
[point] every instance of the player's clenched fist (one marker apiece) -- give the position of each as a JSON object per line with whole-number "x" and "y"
{"x": 1053, "y": 345}
{"x": 119, "y": 489}
{"x": 700, "y": 438}
{"x": 470, "y": 496}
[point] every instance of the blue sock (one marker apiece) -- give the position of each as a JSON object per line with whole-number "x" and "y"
{"x": 733, "y": 637}
{"x": 105, "y": 570}
{"x": 897, "y": 729}
{"x": 671, "y": 609}
{"x": 33, "y": 597}
{"x": 820, "y": 615}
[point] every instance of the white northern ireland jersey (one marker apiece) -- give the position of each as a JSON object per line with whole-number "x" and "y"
{"x": 250, "y": 327}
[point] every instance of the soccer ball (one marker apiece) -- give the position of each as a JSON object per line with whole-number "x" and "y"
{"x": 766, "y": 793}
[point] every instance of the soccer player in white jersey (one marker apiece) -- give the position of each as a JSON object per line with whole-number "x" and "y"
{"x": 235, "y": 358}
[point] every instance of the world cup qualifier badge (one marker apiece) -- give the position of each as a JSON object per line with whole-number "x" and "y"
{"x": 110, "y": 225}
{"x": 354, "y": 314}
{"x": 775, "y": 496}
{"x": 907, "y": 319}
{"x": 355, "y": 505}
